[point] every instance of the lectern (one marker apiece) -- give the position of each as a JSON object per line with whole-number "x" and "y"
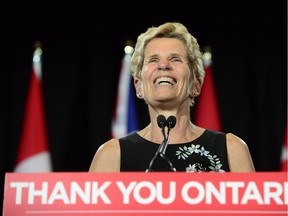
{"x": 142, "y": 193}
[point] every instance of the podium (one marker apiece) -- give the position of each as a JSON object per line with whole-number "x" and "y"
{"x": 140, "y": 193}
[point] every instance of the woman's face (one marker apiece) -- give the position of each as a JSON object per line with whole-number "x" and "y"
{"x": 165, "y": 74}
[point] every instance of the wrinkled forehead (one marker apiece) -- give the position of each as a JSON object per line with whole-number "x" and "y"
{"x": 164, "y": 46}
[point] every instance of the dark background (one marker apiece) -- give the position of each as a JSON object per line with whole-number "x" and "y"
{"x": 83, "y": 48}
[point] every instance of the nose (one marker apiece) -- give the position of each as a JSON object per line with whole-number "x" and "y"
{"x": 164, "y": 65}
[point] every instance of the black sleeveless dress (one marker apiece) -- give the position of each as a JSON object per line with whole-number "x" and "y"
{"x": 207, "y": 153}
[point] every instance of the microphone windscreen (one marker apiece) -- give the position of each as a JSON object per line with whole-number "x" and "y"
{"x": 171, "y": 121}
{"x": 161, "y": 121}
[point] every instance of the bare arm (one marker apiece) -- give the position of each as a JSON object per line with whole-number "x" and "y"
{"x": 107, "y": 158}
{"x": 238, "y": 155}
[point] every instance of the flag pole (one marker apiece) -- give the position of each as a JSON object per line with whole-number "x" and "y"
{"x": 124, "y": 118}
{"x": 33, "y": 153}
{"x": 207, "y": 113}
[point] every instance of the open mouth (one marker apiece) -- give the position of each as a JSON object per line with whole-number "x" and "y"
{"x": 165, "y": 81}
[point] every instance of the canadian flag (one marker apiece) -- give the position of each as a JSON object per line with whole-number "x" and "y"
{"x": 207, "y": 111}
{"x": 124, "y": 119}
{"x": 33, "y": 154}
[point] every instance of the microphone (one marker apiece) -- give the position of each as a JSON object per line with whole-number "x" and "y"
{"x": 170, "y": 122}
{"x": 162, "y": 123}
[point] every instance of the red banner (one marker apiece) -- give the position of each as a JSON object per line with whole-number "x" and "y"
{"x": 146, "y": 194}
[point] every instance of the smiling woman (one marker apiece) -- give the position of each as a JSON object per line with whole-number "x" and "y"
{"x": 82, "y": 50}
{"x": 168, "y": 74}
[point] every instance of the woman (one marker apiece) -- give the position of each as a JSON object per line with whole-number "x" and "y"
{"x": 168, "y": 74}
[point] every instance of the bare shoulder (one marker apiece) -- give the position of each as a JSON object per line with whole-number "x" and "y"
{"x": 107, "y": 157}
{"x": 234, "y": 142}
{"x": 238, "y": 154}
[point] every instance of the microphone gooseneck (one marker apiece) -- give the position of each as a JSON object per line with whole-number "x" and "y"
{"x": 162, "y": 122}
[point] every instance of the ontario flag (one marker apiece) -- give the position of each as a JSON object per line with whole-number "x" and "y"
{"x": 207, "y": 113}
{"x": 124, "y": 120}
{"x": 284, "y": 154}
{"x": 33, "y": 154}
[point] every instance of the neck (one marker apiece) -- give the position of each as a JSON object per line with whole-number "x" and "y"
{"x": 184, "y": 131}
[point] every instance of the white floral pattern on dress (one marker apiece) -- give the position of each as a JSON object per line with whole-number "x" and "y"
{"x": 185, "y": 152}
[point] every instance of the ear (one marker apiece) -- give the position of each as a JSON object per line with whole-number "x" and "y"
{"x": 196, "y": 88}
{"x": 138, "y": 89}
{"x": 198, "y": 85}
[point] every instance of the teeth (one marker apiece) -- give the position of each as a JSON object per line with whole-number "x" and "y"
{"x": 165, "y": 80}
